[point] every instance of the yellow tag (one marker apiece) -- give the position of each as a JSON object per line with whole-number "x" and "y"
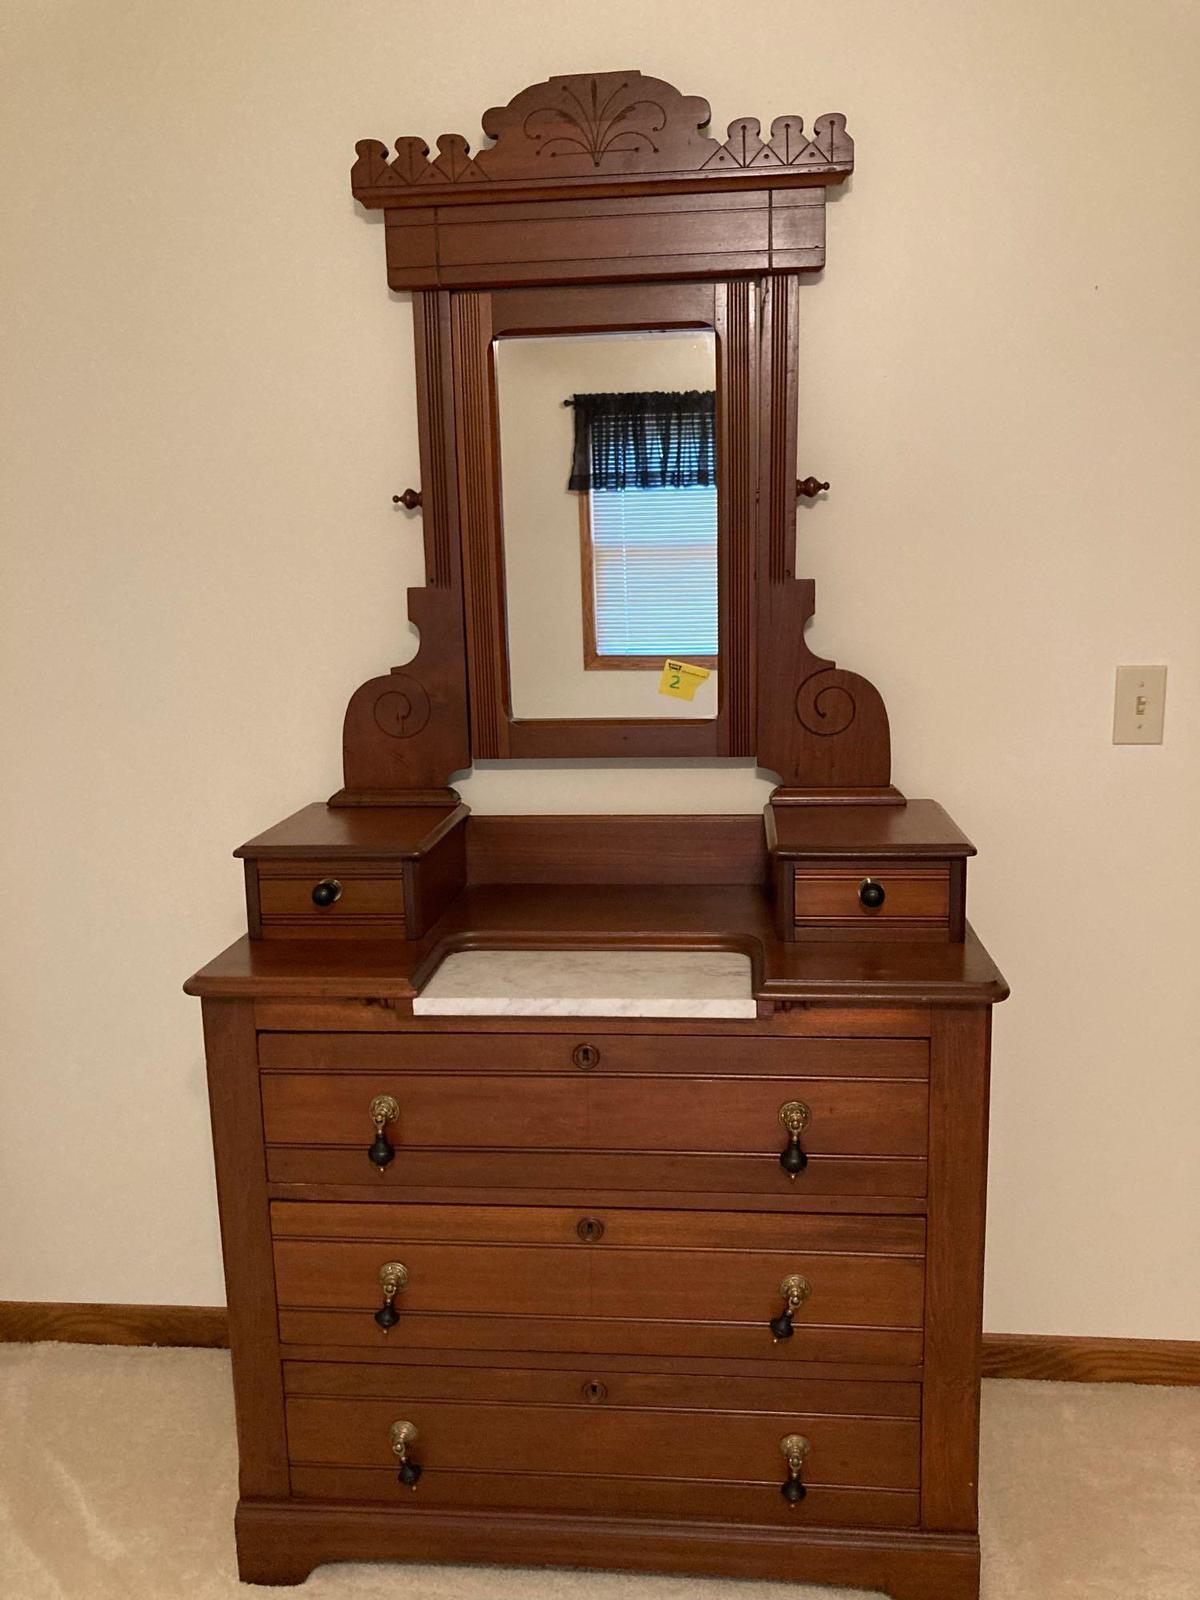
{"x": 681, "y": 680}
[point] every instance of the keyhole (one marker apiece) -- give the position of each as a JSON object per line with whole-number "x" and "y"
{"x": 595, "y": 1391}
{"x": 590, "y": 1229}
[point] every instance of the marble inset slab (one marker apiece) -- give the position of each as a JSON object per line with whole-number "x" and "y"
{"x": 589, "y": 983}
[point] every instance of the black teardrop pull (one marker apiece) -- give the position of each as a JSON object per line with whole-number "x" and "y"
{"x": 410, "y": 1475}
{"x": 781, "y": 1326}
{"x": 793, "y": 1159}
{"x": 793, "y": 1491}
{"x": 387, "y": 1316}
{"x": 381, "y": 1152}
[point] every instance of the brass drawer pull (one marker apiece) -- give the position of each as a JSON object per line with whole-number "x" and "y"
{"x": 403, "y": 1435}
{"x": 795, "y": 1117}
{"x": 795, "y": 1449}
{"x": 393, "y": 1276}
{"x": 384, "y": 1108}
{"x": 795, "y": 1290}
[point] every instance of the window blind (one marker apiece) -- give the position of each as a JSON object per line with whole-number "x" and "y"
{"x": 654, "y": 562}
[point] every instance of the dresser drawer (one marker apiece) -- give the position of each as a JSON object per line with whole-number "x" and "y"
{"x": 350, "y": 900}
{"x": 610, "y": 1458}
{"x": 860, "y": 1136}
{"x": 633, "y": 1281}
{"x": 851, "y": 897}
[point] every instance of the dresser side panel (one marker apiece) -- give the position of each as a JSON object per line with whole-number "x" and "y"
{"x": 236, "y": 1110}
{"x": 958, "y": 1133}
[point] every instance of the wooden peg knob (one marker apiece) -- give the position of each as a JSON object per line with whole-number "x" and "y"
{"x": 411, "y": 499}
{"x": 810, "y": 488}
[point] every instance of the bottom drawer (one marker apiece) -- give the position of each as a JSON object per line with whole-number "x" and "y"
{"x": 616, "y": 1444}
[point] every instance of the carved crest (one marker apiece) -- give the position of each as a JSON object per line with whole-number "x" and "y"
{"x": 591, "y": 129}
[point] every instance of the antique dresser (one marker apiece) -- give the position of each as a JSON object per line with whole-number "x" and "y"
{"x": 686, "y": 1279}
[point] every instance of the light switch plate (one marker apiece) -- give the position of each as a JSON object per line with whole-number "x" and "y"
{"x": 1140, "y": 705}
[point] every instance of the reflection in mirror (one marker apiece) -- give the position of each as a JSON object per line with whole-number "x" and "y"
{"x": 609, "y": 501}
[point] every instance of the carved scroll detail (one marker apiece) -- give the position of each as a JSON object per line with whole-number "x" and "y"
{"x": 825, "y": 705}
{"x": 402, "y": 710}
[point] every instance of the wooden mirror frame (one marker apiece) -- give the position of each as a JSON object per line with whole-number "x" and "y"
{"x": 597, "y": 308}
{"x": 603, "y": 204}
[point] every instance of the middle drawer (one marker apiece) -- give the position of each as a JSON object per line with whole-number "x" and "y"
{"x": 620, "y": 1281}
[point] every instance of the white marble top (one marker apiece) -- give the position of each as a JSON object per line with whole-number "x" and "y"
{"x": 589, "y": 983}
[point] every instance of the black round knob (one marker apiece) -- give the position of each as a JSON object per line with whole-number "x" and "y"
{"x": 793, "y": 1491}
{"x": 326, "y": 892}
{"x": 781, "y": 1326}
{"x": 871, "y": 894}
{"x": 793, "y": 1159}
{"x": 381, "y": 1152}
{"x": 409, "y": 1474}
{"x": 387, "y": 1316}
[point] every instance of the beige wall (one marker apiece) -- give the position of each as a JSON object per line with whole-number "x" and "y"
{"x": 542, "y": 561}
{"x": 208, "y": 405}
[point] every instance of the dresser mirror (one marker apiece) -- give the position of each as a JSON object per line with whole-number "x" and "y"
{"x": 609, "y": 522}
{"x": 646, "y": 273}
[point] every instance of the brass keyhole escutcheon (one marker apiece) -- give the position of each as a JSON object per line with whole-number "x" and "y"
{"x": 585, "y": 1057}
{"x": 595, "y": 1391}
{"x": 590, "y": 1229}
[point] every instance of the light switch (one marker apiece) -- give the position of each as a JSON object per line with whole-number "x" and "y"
{"x": 1141, "y": 703}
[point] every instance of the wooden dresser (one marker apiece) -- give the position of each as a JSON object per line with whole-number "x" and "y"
{"x": 695, "y": 1295}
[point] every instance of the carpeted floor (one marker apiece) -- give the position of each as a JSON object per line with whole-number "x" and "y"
{"x": 117, "y": 1482}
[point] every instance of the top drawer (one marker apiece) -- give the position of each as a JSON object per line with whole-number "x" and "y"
{"x": 329, "y": 898}
{"x": 356, "y": 871}
{"x": 771, "y": 1117}
{"x": 876, "y": 899}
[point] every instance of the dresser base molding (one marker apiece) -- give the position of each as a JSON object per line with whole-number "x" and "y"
{"x": 281, "y": 1542}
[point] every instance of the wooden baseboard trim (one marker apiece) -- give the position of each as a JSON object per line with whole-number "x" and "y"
{"x": 31, "y": 1321}
{"x": 1005, "y": 1355}
{"x": 1070, "y": 1360}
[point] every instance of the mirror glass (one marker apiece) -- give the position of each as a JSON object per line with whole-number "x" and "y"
{"x": 609, "y": 514}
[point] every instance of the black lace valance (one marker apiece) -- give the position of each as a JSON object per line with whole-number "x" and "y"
{"x": 644, "y": 440}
